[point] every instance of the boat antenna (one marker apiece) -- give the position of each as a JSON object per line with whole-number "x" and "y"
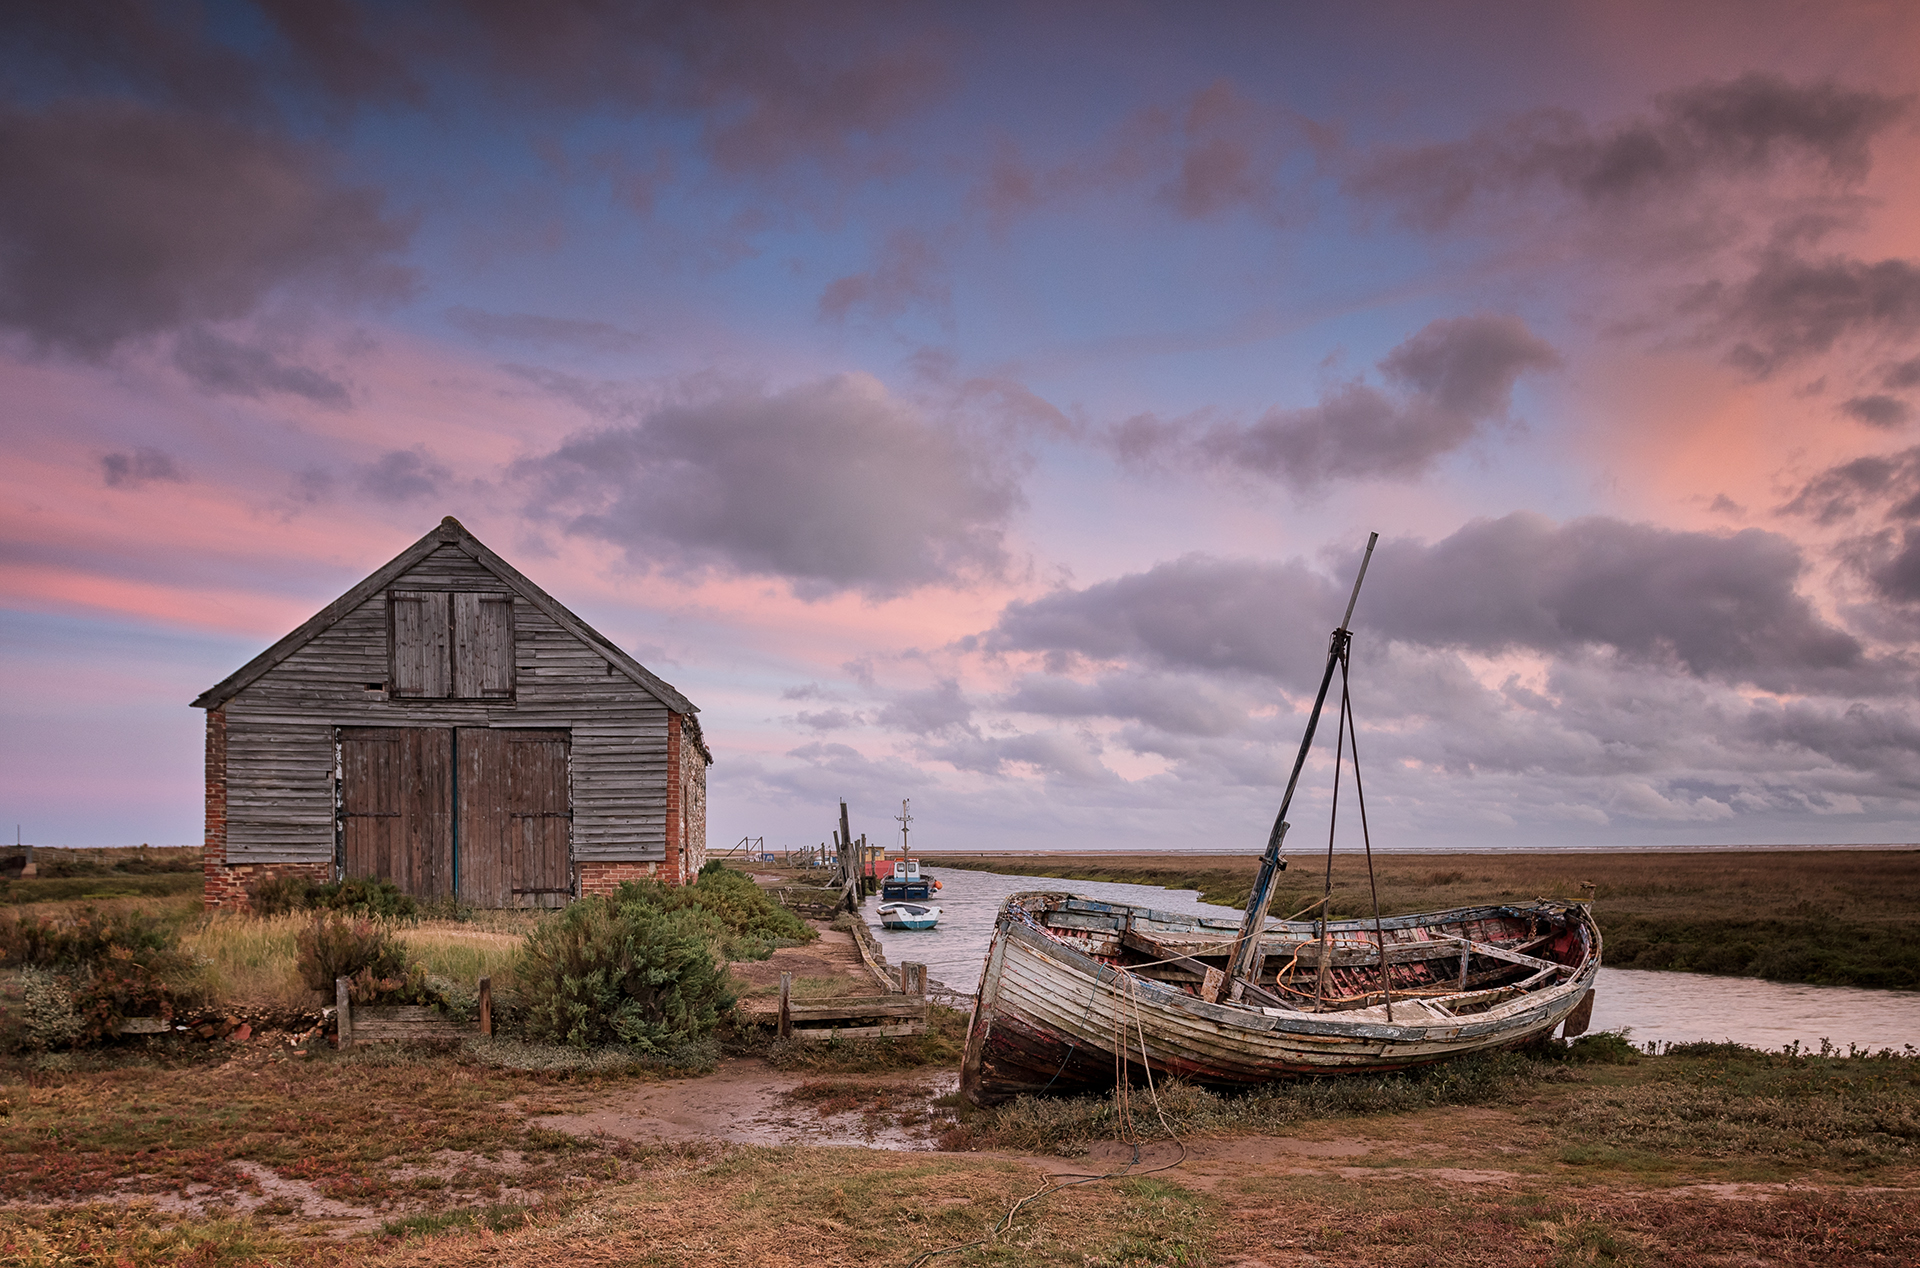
{"x": 903, "y": 819}
{"x": 1244, "y": 966}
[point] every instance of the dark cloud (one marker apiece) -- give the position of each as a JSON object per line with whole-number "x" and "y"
{"x": 769, "y": 81}
{"x": 120, "y": 222}
{"x": 828, "y": 719}
{"x": 593, "y": 336}
{"x": 834, "y": 485}
{"x": 142, "y": 466}
{"x": 1741, "y": 127}
{"x": 929, "y": 711}
{"x": 1228, "y": 157}
{"x": 1711, "y": 605}
{"x": 1791, "y": 307}
{"x": 333, "y": 45}
{"x": 1877, "y": 410}
{"x": 1725, "y": 606}
{"x": 1193, "y": 613}
{"x": 402, "y": 475}
{"x": 909, "y": 272}
{"x": 1448, "y": 381}
{"x": 221, "y": 365}
{"x": 1890, "y": 483}
{"x": 163, "y": 52}
{"x": 1058, "y": 755}
{"x": 1886, "y": 490}
{"x": 1179, "y": 706}
{"x": 1902, "y": 375}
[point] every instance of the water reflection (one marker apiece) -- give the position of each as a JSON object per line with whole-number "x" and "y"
{"x": 1667, "y": 1007}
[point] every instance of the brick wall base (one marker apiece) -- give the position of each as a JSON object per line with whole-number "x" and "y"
{"x": 227, "y": 887}
{"x": 604, "y": 878}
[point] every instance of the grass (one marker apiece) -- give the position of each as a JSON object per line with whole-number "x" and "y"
{"x": 776, "y": 1207}
{"x": 1827, "y": 917}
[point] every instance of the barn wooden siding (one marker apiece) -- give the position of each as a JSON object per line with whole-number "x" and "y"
{"x": 637, "y": 766}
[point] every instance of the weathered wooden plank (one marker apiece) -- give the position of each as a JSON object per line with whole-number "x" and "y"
{"x": 826, "y": 1034}
{"x": 851, "y": 1009}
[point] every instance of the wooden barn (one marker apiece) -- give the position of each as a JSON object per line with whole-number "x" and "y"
{"x": 448, "y": 726}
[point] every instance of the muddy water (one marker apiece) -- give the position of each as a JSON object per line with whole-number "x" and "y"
{"x": 1663, "y": 1007}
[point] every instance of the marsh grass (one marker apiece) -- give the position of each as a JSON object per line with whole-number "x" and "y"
{"x": 1845, "y": 1114}
{"x": 135, "y": 1234}
{"x": 1827, "y": 917}
{"x": 1067, "y": 1126}
{"x": 803, "y": 1208}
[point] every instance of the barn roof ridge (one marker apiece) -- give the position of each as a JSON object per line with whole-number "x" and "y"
{"x": 448, "y": 532}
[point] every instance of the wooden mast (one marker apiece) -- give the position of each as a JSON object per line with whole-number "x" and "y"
{"x": 1243, "y": 967}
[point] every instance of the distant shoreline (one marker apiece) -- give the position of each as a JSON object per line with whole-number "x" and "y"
{"x": 933, "y": 856}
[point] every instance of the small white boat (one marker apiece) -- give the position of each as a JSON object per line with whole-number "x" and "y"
{"x": 908, "y": 916}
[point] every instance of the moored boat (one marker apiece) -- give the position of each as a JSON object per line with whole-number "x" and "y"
{"x": 908, "y": 915}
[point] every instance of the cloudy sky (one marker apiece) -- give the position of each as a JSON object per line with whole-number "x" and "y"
{"x": 987, "y": 404}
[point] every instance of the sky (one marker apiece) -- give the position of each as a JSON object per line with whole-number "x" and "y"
{"x": 987, "y": 404}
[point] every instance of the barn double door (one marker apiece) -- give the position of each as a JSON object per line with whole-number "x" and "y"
{"x": 477, "y": 813}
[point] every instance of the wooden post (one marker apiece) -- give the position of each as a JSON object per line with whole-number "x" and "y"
{"x": 786, "y": 1005}
{"x": 343, "y": 1013}
{"x": 486, "y": 1006}
{"x": 913, "y": 978}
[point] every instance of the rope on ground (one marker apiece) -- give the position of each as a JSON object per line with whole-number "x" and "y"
{"x": 1123, "y": 1106}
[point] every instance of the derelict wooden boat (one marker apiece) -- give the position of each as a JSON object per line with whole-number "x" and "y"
{"x": 1070, "y": 980}
{"x": 1078, "y": 993}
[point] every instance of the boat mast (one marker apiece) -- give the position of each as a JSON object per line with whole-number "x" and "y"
{"x": 904, "y": 819}
{"x": 1244, "y": 965}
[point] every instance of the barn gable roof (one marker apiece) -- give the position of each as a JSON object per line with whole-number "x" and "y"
{"x": 450, "y": 532}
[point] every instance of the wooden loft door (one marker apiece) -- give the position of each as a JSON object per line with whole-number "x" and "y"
{"x": 396, "y": 806}
{"x": 516, "y": 819}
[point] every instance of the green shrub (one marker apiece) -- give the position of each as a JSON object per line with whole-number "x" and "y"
{"x": 745, "y": 923}
{"x": 335, "y": 947}
{"x": 358, "y": 895}
{"x": 364, "y": 896}
{"x": 86, "y": 939}
{"x": 1605, "y": 1047}
{"x": 278, "y": 895}
{"x": 632, "y": 972}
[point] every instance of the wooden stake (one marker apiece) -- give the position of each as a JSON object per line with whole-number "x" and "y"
{"x": 786, "y": 1005}
{"x": 486, "y": 1006}
{"x": 343, "y": 1013}
{"x": 913, "y": 978}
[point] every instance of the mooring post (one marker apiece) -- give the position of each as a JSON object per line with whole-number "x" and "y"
{"x": 786, "y": 1009}
{"x": 343, "y": 1013}
{"x": 913, "y": 979}
{"x": 486, "y": 1006}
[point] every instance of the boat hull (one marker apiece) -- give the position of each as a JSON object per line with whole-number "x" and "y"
{"x": 908, "y": 916}
{"x": 1049, "y": 1016}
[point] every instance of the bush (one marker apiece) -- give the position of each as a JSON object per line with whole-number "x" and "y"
{"x": 83, "y": 940}
{"x": 745, "y": 923}
{"x": 628, "y": 972}
{"x": 358, "y": 895}
{"x": 334, "y": 947}
{"x": 86, "y": 974}
{"x": 278, "y": 895}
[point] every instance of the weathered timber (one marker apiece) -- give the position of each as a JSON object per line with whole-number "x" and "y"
{"x": 849, "y": 1009}
{"x": 828, "y": 1034}
{"x": 408, "y": 1023}
{"x": 786, "y": 1005}
{"x": 343, "y": 1013}
{"x": 486, "y": 1006}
